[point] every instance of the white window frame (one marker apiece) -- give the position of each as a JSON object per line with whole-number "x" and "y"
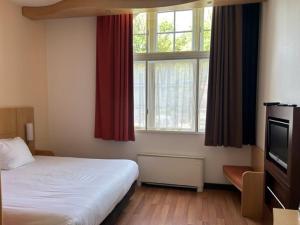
{"x": 153, "y": 55}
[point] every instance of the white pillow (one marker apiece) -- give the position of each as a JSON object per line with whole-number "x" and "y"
{"x": 14, "y": 153}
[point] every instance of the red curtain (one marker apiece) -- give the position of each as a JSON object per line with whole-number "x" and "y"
{"x": 114, "y": 79}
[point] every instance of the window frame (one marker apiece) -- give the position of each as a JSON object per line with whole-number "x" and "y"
{"x": 152, "y": 55}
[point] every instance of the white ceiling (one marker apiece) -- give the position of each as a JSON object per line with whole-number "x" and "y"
{"x": 35, "y": 2}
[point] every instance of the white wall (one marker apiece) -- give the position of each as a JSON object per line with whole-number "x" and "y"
{"x": 71, "y": 45}
{"x": 279, "y": 75}
{"x": 23, "y": 74}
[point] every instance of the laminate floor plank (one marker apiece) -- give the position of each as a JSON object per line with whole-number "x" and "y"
{"x": 167, "y": 206}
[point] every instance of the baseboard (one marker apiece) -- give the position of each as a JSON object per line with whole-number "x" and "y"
{"x": 178, "y": 187}
{"x": 213, "y": 186}
{"x": 210, "y": 186}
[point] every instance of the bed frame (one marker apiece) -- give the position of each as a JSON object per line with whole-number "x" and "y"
{"x": 112, "y": 218}
{"x": 12, "y": 124}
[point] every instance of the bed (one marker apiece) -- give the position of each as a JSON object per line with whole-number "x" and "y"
{"x": 65, "y": 191}
{"x": 60, "y": 190}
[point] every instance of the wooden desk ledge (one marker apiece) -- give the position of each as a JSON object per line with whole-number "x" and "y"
{"x": 250, "y": 183}
{"x": 235, "y": 174}
{"x": 43, "y": 152}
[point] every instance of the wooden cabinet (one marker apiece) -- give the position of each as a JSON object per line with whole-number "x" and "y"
{"x": 282, "y": 185}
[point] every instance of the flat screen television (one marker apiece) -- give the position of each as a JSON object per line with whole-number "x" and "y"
{"x": 278, "y": 141}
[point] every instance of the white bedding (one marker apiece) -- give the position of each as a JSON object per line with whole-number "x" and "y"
{"x": 65, "y": 191}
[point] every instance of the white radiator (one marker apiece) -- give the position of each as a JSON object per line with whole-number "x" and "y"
{"x": 174, "y": 170}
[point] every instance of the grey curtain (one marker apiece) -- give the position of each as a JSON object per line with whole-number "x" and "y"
{"x": 233, "y": 76}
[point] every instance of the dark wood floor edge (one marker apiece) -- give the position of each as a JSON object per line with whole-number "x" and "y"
{"x": 214, "y": 186}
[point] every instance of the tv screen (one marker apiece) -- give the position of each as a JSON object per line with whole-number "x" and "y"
{"x": 278, "y": 141}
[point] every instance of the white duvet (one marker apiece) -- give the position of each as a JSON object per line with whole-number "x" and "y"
{"x": 65, "y": 191}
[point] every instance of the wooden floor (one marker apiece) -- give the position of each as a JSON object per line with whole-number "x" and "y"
{"x": 166, "y": 206}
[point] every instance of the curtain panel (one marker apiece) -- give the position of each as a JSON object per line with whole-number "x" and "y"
{"x": 114, "y": 117}
{"x": 231, "y": 106}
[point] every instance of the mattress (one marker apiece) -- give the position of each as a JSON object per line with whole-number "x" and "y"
{"x": 65, "y": 191}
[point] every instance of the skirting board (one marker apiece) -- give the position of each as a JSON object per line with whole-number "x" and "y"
{"x": 209, "y": 186}
{"x": 228, "y": 187}
{"x": 170, "y": 186}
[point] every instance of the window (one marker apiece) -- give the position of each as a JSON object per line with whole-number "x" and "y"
{"x": 140, "y": 33}
{"x": 174, "y": 95}
{"x": 171, "y": 69}
{"x": 174, "y": 31}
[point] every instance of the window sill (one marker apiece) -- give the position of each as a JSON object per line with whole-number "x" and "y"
{"x": 169, "y": 132}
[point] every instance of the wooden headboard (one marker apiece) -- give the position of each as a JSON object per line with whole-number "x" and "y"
{"x": 13, "y": 123}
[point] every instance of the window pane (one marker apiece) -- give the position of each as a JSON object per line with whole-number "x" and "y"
{"x": 183, "y": 41}
{"x": 184, "y": 20}
{"x": 139, "y": 94}
{"x": 203, "y": 86}
{"x": 208, "y": 18}
{"x": 206, "y": 29}
{"x": 140, "y": 43}
{"x": 165, "y": 22}
{"x": 165, "y": 42}
{"x": 206, "y": 40}
{"x": 140, "y": 23}
{"x": 172, "y": 100}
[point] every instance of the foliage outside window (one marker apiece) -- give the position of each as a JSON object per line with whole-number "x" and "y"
{"x": 171, "y": 69}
